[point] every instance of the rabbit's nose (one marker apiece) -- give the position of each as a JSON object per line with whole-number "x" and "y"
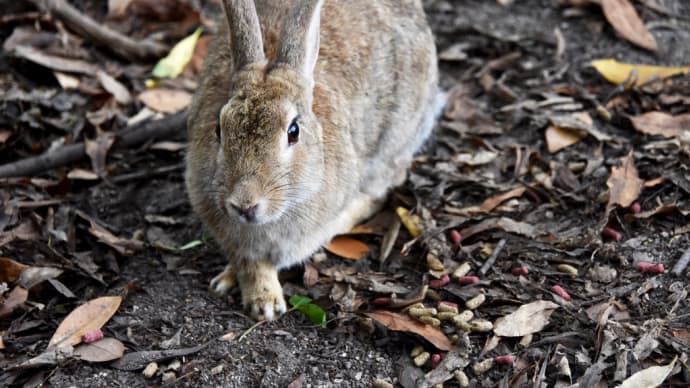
{"x": 249, "y": 212}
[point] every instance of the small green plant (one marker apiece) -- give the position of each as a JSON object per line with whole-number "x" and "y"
{"x": 312, "y": 311}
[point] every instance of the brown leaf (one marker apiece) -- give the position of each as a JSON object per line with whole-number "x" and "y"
{"x": 661, "y": 123}
{"x": 90, "y": 316}
{"x": 623, "y": 17}
{"x": 24, "y": 231}
{"x": 106, "y": 349}
{"x": 15, "y": 299}
{"x": 4, "y": 135}
{"x": 624, "y": 183}
{"x": 491, "y": 203}
{"x": 122, "y": 245}
{"x": 558, "y": 138}
{"x": 10, "y": 270}
{"x": 166, "y": 100}
{"x": 502, "y": 223}
{"x": 98, "y": 151}
{"x": 311, "y": 276}
{"x": 347, "y": 247}
{"x": 403, "y": 322}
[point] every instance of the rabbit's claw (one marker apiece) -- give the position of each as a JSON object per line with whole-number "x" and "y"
{"x": 222, "y": 283}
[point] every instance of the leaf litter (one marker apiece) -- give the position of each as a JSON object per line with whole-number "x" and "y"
{"x": 534, "y": 156}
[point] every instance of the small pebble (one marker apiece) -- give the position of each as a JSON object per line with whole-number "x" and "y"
{"x": 381, "y": 383}
{"x": 150, "y": 370}
{"x": 168, "y": 376}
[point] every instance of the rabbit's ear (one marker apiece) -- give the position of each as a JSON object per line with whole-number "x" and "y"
{"x": 245, "y": 32}
{"x": 299, "y": 41}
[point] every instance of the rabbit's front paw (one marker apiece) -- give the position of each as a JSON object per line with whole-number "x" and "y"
{"x": 262, "y": 294}
{"x": 223, "y": 282}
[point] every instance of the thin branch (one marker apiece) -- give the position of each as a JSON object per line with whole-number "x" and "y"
{"x": 128, "y": 137}
{"x": 99, "y": 34}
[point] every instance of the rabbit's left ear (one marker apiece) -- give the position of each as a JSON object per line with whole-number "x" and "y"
{"x": 299, "y": 41}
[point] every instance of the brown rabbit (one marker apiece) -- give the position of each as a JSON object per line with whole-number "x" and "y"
{"x": 308, "y": 112}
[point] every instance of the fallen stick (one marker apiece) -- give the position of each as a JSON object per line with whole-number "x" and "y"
{"x": 492, "y": 259}
{"x": 98, "y": 33}
{"x": 128, "y": 137}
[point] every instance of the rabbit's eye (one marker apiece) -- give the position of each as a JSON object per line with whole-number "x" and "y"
{"x": 218, "y": 131}
{"x": 293, "y": 132}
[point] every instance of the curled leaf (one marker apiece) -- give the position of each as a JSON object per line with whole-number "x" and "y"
{"x": 172, "y": 65}
{"x": 88, "y": 317}
{"x": 347, "y": 247}
{"x": 618, "y": 72}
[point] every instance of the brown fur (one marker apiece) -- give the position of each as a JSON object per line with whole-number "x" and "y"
{"x": 363, "y": 112}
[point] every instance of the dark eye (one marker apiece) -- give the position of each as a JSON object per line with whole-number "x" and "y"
{"x": 293, "y": 132}
{"x": 218, "y": 131}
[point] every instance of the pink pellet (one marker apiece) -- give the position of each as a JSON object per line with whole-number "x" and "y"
{"x": 451, "y": 304}
{"x": 92, "y": 336}
{"x": 464, "y": 280}
{"x": 558, "y": 290}
{"x": 635, "y": 208}
{"x": 504, "y": 360}
{"x": 438, "y": 283}
{"x": 381, "y": 301}
{"x": 455, "y": 237}
{"x": 435, "y": 360}
{"x": 611, "y": 233}
{"x": 517, "y": 271}
{"x": 647, "y": 267}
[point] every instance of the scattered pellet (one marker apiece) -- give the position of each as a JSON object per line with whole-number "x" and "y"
{"x": 635, "y": 208}
{"x": 435, "y": 360}
{"x": 432, "y": 294}
{"x": 461, "y": 378}
{"x": 517, "y": 271}
{"x": 647, "y": 267}
{"x": 381, "y": 301}
{"x": 428, "y": 319}
{"x": 419, "y": 312}
{"x": 465, "y": 280}
{"x": 481, "y": 367}
{"x": 168, "y": 376}
{"x": 558, "y": 290}
{"x": 464, "y": 316}
{"x": 462, "y": 270}
{"x": 433, "y": 263}
{"x": 475, "y": 302}
{"x": 567, "y": 268}
{"x": 416, "y": 351}
{"x": 439, "y": 283}
{"x": 507, "y": 359}
{"x": 421, "y": 359}
{"x": 445, "y": 306}
{"x": 611, "y": 233}
{"x": 446, "y": 315}
{"x": 525, "y": 341}
{"x": 481, "y": 326}
{"x": 455, "y": 237}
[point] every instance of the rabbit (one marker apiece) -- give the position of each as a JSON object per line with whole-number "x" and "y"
{"x": 307, "y": 113}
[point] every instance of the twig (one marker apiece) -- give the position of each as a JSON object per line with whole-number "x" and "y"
{"x": 682, "y": 263}
{"x": 101, "y": 35}
{"x": 128, "y": 137}
{"x": 492, "y": 259}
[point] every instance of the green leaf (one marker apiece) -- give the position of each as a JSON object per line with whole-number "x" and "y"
{"x": 314, "y": 312}
{"x": 172, "y": 65}
{"x": 190, "y": 245}
{"x": 299, "y": 300}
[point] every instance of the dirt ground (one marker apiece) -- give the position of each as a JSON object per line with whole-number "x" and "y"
{"x": 508, "y": 69}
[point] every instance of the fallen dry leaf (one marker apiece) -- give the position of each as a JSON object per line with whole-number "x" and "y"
{"x": 122, "y": 245}
{"x": 35, "y": 275}
{"x": 106, "y": 349}
{"x": 623, "y": 17}
{"x": 114, "y": 87}
{"x": 24, "y": 231}
{"x": 411, "y": 221}
{"x": 311, "y": 276}
{"x": 653, "y": 376}
{"x": 347, "y": 247}
{"x": 166, "y": 100}
{"x": 664, "y": 124}
{"x": 90, "y": 316}
{"x": 10, "y": 270}
{"x": 97, "y": 150}
{"x": 15, "y": 299}
{"x": 528, "y": 319}
{"x": 618, "y": 72}
{"x": 403, "y": 322}
{"x": 558, "y": 138}
{"x": 4, "y": 135}
{"x": 491, "y": 203}
{"x": 502, "y": 223}
{"x": 624, "y": 183}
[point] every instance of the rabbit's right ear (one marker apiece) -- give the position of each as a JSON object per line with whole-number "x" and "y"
{"x": 299, "y": 41}
{"x": 245, "y": 32}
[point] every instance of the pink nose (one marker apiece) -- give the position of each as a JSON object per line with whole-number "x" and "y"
{"x": 248, "y": 212}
